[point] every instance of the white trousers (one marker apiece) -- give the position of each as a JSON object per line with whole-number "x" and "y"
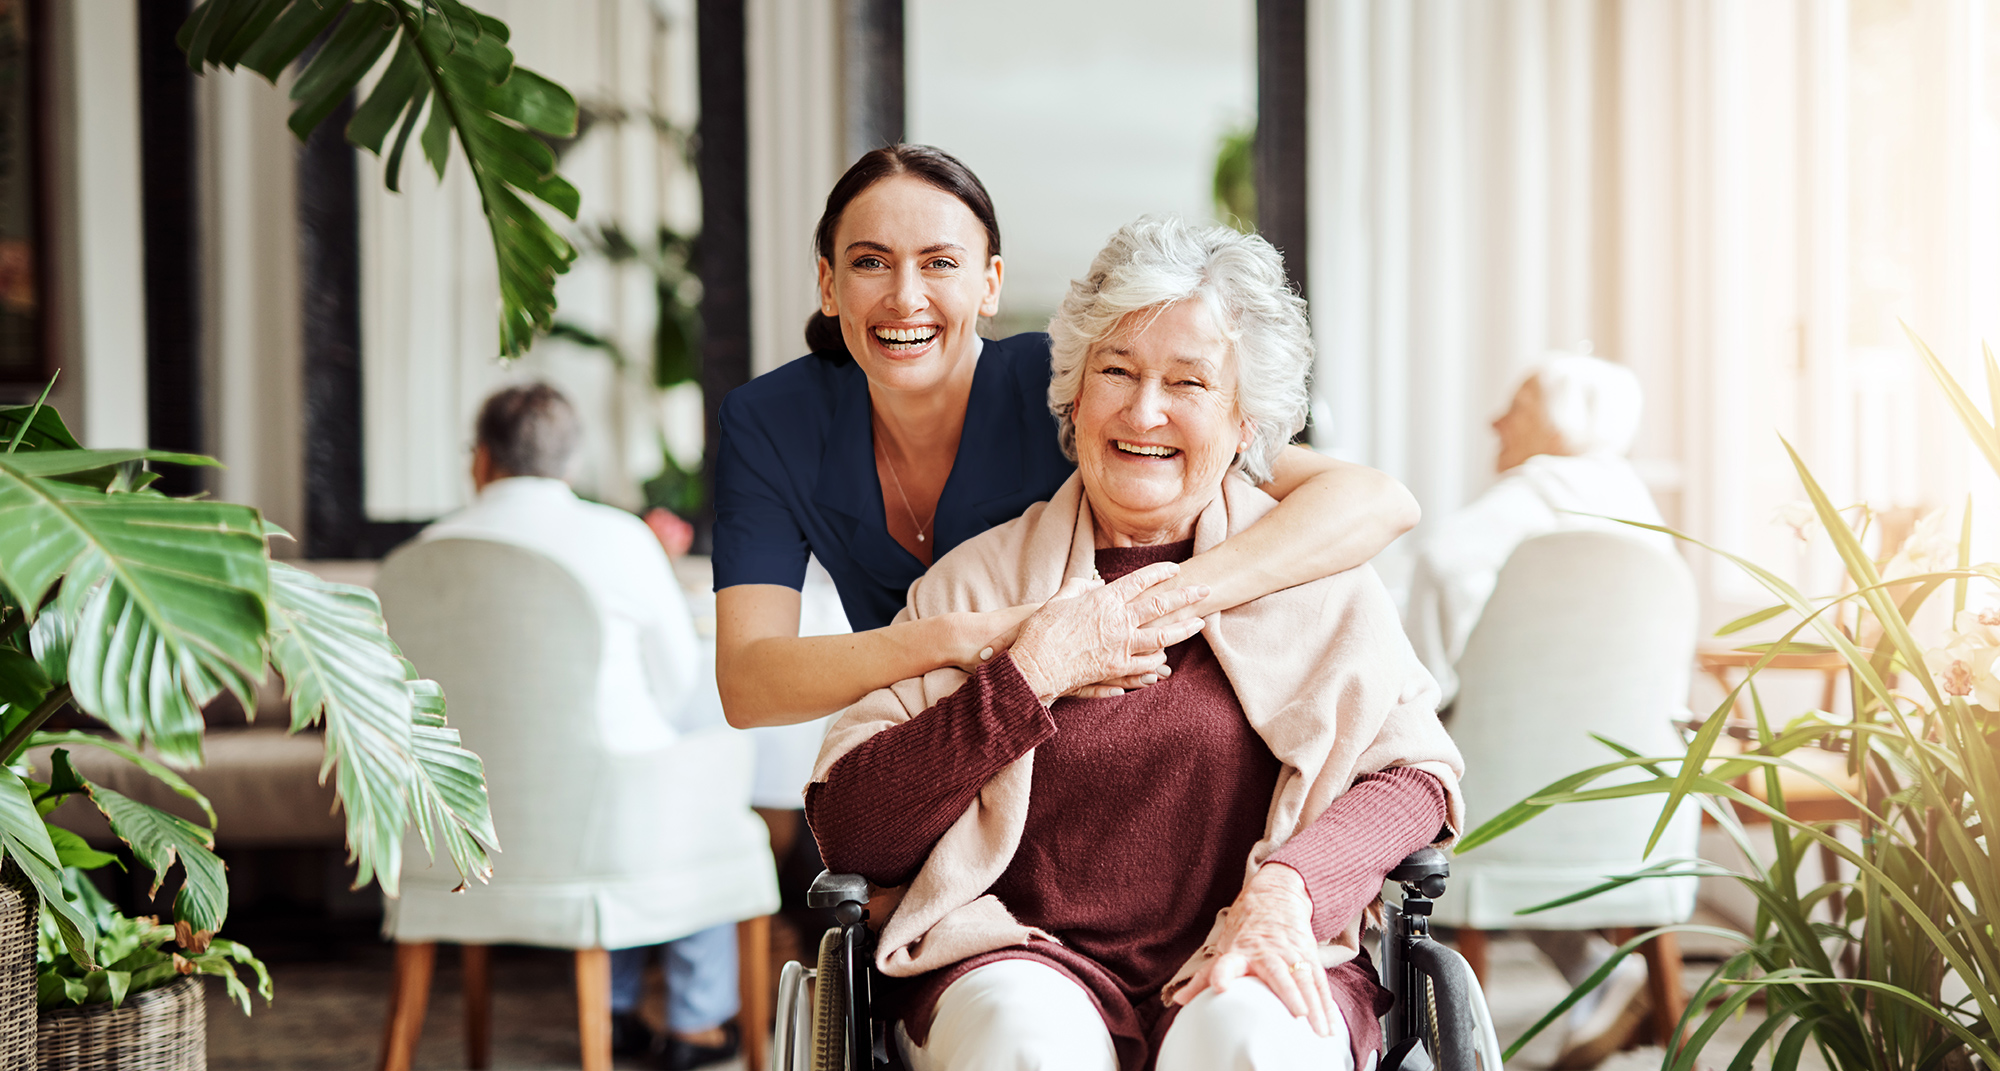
{"x": 1020, "y": 1015}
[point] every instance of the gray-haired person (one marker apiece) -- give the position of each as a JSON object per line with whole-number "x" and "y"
{"x": 527, "y": 439}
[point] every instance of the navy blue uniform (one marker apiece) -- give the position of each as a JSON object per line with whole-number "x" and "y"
{"x": 795, "y": 474}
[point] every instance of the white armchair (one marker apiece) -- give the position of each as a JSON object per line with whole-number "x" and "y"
{"x": 1586, "y": 633}
{"x": 606, "y": 841}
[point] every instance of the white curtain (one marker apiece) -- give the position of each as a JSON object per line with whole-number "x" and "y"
{"x": 1671, "y": 181}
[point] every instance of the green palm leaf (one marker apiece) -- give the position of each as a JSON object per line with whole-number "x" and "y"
{"x": 162, "y": 599}
{"x": 451, "y": 804}
{"x": 25, "y": 840}
{"x": 160, "y": 839}
{"x": 396, "y": 761}
{"x": 448, "y": 62}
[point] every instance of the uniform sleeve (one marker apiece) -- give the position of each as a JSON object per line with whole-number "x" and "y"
{"x": 758, "y": 538}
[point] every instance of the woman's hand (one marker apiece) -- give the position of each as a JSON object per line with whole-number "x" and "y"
{"x": 1095, "y": 636}
{"x": 1268, "y": 935}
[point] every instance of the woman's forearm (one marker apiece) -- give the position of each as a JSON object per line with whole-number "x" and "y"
{"x": 1331, "y": 516}
{"x": 784, "y": 680}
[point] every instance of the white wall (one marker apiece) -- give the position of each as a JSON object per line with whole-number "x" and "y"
{"x": 1079, "y": 117}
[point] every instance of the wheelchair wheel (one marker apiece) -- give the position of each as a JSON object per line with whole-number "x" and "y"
{"x": 829, "y": 1029}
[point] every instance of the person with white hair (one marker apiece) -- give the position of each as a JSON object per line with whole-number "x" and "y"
{"x": 1562, "y": 467}
{"x": 1174, "y": 876}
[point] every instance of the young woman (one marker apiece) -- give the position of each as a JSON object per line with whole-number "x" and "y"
{"x": 904, "y": 434}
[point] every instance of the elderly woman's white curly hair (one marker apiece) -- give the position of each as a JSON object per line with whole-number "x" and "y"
{"x": 1154, "y": 262}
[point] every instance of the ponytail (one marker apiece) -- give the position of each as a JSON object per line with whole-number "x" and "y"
{"x": 823, "y": 336}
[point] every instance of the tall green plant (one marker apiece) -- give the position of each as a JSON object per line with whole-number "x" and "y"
{"x": 1861, "y": 969}
{"x": 447, "y": 62}
{"x": 138, "y": 609}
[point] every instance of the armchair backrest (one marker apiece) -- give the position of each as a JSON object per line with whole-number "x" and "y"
{"x": 515, "y": 641}
{"x": 1586, "y": 633}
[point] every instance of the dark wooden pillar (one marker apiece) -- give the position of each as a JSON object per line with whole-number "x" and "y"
{"x": 1281, "y": 131}
{"x": 722, "y": 162}
{"x": 329, "y": 210}
{"x": 871, "y": 71}
{"x": 170, "y": 203}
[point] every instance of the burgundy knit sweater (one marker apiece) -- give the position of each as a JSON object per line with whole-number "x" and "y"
{"x": 1143, "y": 808}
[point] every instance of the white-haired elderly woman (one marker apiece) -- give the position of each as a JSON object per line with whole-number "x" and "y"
{"x": 1562, "y": 456}
{"x": 1179, "y": 873}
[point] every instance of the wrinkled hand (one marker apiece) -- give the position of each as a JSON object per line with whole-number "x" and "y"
{"x": 1268, "y": 935}
{"x": 1092, "y": 633}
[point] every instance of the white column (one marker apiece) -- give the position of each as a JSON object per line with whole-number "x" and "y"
{"x": 97, "y": 252}
{"x": 795, "y": 147}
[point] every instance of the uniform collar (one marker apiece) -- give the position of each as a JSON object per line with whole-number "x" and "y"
{"x": 988, "y": 469}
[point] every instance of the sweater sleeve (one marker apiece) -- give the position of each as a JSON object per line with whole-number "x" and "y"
{"x": 885, "y": 803}
{"x": 1362, "y": 836}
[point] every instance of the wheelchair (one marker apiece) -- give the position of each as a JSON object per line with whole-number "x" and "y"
{"x": 1439, "y": 1021}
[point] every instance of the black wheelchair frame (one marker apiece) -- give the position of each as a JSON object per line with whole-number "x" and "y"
{"x": 1439, "y": 1021}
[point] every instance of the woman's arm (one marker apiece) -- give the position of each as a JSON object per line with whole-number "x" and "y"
{"x": 1332, "y": 515}
{"x": 770, "y": 675}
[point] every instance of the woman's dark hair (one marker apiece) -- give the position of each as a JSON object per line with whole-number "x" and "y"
{"x": 933, "y": 165}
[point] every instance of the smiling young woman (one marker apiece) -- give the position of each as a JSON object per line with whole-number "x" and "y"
{"x": 904, "y": 433}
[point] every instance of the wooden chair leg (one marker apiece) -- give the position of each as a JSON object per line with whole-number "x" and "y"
{"x": 1663, "y": 978}
{"x": 1472, "y": 945}
{"x": 474, "y": 964}
{"x": 593, "y": 1007}
{"x": 408, "y": 994}
{"x": 753, "y": 981}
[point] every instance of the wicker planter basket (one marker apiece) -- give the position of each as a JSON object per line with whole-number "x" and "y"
{"x": 17, "y": 970}
{"x": 164, "y": 1029}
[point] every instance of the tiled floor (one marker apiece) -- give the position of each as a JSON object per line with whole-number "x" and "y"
{"x": 328, "y": 1015}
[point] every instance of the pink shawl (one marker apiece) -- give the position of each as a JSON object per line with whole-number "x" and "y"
{"x": 1323, "y": 671}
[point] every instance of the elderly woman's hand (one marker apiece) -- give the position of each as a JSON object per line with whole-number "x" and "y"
{"x": 1083, "y": 637}
{"x": 1268, "y": 935}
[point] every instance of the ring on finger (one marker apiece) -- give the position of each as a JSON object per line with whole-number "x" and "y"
{"x": 1301, "y": 965}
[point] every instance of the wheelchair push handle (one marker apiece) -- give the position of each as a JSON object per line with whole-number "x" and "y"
{"x": 843, "y": 894}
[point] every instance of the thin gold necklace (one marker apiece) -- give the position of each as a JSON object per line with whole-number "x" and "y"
{"x": 905, "y": 495}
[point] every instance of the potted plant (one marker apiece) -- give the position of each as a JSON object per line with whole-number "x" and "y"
{"x": 1899, "y": 966}
{"x": 137, "y": 609}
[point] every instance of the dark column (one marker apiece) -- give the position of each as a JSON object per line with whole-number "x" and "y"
{"x": 170, "y": 204}
{"x": 722, "y": 163}
{"x": 1281, "y": 131}
{"x": 871, "y": 71}
{"x": 337, "y": 524}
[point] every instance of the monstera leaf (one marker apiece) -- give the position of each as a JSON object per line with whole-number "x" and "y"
{"x": 163, "y": 598}
{"x": 450, "y": 72}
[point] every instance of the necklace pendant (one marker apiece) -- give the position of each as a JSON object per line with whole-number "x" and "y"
{"x": 920, "y": 537}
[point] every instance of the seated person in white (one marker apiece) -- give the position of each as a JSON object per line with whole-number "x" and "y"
{"x": 1562, "y": 458}
{"x": 526, "y": 441}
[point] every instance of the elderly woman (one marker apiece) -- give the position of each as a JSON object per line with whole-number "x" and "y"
{"x": 1179, "y": 872}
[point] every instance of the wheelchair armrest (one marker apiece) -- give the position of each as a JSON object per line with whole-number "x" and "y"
{"x": 830, "y": 890}
{"x": 1423, "y": 870}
